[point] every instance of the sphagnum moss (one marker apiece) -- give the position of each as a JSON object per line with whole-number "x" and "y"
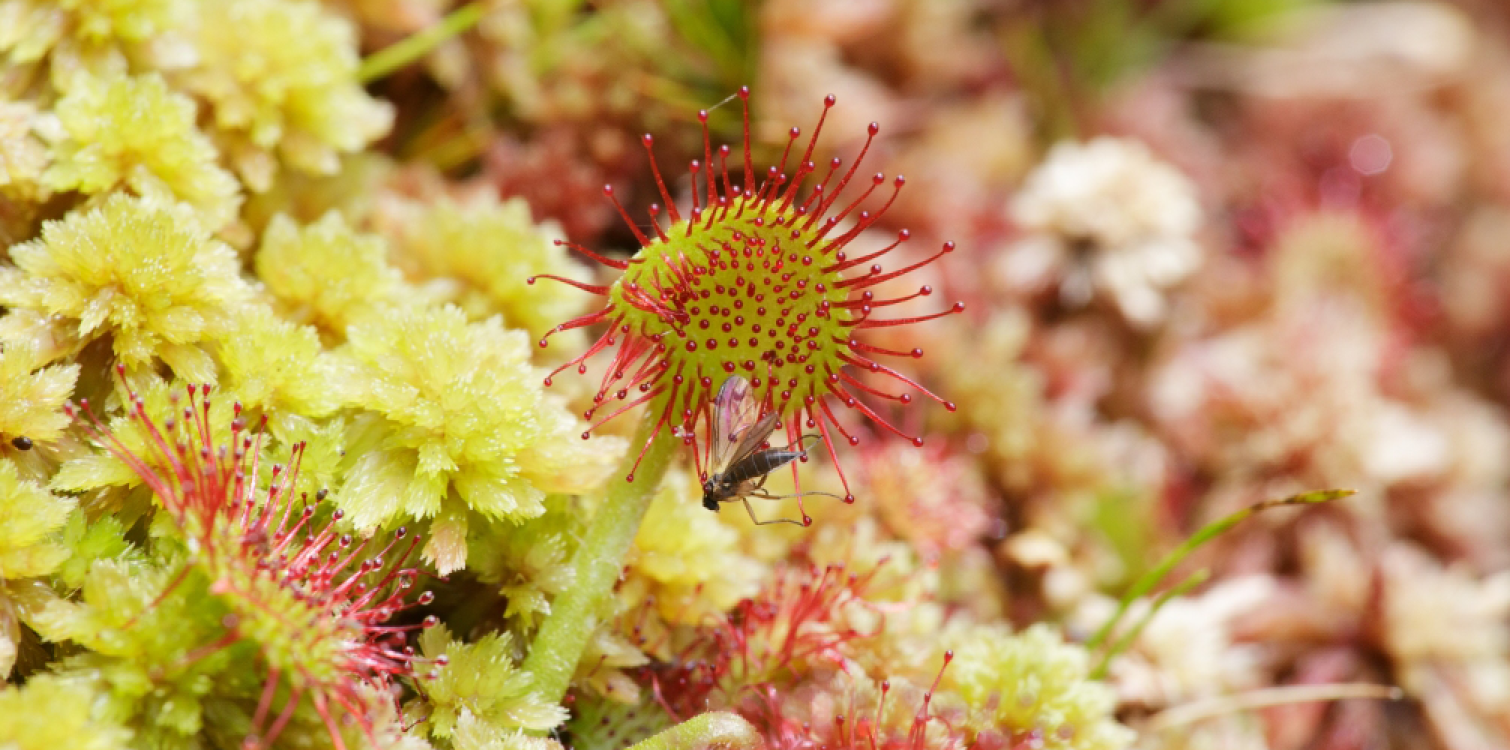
{"x": 134, "y": 133}
{"x": 1032, "y": 686}
{"x": 30, "y": 518}
{"x": 53, "y": 712}
{"x": 452, "y": 423}
{"x": 479, "y": 254}
{"x": 280, "y": 77}
{"x": 327, "y": 273}
{"x": 71, "y": 36}
{"x": 140, "y": 271}
{"x": 31, "y": 395}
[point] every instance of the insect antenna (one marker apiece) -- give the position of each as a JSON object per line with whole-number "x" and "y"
{"x": 800, "y": 438}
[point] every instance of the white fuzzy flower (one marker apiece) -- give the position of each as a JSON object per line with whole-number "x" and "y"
{"x": 1106, "y": 217}
{"x": 1188, "y": 650}
{"x": 1433, "y": 612}
{"x": 1446, "y": 631}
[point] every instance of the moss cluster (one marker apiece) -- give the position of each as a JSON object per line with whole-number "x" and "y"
{"x": 290, "y": 356}
{"x": 134, "y": 133}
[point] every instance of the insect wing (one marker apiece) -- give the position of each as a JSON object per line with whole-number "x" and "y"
{"x": 734, "y": 414}
{"x": 753, "y": 438}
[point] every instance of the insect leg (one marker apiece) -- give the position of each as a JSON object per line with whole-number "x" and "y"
{"x": 751, "y": 510}
{"x": 768, "y": 496}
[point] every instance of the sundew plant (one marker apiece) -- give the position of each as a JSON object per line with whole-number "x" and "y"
{"x": 368, "y": 372}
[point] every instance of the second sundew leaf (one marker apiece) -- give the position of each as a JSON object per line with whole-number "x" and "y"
{"x": 454, "y": 413}
{"x": 314, "y": 602}
{"x": 99, "y": 470}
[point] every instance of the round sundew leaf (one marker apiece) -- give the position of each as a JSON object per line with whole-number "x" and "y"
{"x": 754, "y": 281}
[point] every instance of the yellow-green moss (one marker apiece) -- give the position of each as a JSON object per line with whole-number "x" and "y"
{"x": 133, "y": 133}
{"x": 325, "y": 273}
{"x": 137, "y": 270}
{"x": 280, "y": 77}
{"x": 32, "y": 396}
{"x": 1032, "y": 681}
{"x": 29, "y": 515}
{"x": 51, "y": 712}
{"x": 481, "y": 255}
{"x": 482, "y": 680}
{"x": 456, "y": 420}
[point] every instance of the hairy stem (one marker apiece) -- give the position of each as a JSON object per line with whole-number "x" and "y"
{"x": 558, "y": 646}
{"x": 715, "y": 728}
{"x": 419, "y": 44}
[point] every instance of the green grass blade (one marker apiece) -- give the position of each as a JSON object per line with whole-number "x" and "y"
{"x": 1151, "y": 579}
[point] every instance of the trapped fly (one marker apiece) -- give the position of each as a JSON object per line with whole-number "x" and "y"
{"x": 741, "y": 461}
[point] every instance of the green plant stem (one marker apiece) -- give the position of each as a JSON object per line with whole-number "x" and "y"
{"x": 1122, "y": 644}
{"x": 1149, "y": 580}
{"x": 715, "y": 728}
{"x": 597, "y": 562}
{"x": 419, "y": 44}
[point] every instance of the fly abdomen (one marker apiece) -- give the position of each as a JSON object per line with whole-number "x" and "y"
{"x": 758, "y": 464}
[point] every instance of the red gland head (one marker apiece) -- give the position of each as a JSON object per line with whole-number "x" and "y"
{"x": 753, "y": 281}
